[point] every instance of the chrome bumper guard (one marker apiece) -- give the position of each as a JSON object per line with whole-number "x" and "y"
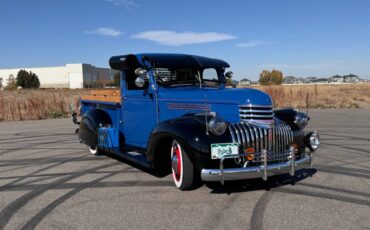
{"x": 263, "y": 171}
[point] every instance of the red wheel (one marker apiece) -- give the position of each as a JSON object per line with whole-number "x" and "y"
{"x": 182, "y": 168}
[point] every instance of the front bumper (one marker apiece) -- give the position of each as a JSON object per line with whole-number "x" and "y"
{"x": 263, "y": 171}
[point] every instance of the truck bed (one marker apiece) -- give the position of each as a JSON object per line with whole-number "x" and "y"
{"x": 106, "y": 95}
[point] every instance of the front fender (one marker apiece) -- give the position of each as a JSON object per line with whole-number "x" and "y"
{"x": 192, "y": 135}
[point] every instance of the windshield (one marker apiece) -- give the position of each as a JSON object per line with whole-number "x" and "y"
{"x": 170, "y": 77}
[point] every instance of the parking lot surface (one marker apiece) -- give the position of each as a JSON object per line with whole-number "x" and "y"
{"x": 48, "y": 180}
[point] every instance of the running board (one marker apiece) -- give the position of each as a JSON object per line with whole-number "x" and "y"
{"x": 134, "y": 157}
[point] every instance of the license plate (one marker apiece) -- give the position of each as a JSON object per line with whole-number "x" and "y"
{"x": 220, "y": 150}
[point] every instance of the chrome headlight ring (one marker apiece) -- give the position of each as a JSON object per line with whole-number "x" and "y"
{"x": 217, "y": 126}
{"x": 313, "y": 141}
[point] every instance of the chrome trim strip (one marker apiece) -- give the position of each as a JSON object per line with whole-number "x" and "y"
{"x": 256, "y": 111}
{"x": 256, "y": 106}
{"x": 262, "y": 138}
{"x": 242, "y": 134}
{"x": 292, "y": 161}
{"x": 283, "y": 144}
{"x": 265, "y": 132}
{"x": 274, "y": 139}
{"x": 255, "y": 116}
{"x": 237, "y": 133}
{"x": 252, "y": 135}
{"x": 246, "y": 135}
{"x": 232, "y": 134}
{"x": 257, "y": 139}
{"x": 277, "y": 137}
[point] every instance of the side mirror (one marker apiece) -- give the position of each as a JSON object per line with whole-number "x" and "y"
{"x": 140, "y": 71}
{"x": 140, "y": 82}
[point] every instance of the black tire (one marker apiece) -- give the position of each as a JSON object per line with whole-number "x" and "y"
{"x": 182, "y": 168}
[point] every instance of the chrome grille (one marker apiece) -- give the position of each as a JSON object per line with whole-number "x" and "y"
{"x": 255, "y": 113}
{"x": 275, "y": 139}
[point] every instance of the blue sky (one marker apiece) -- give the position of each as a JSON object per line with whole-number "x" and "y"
{"x": 300, "y": 38}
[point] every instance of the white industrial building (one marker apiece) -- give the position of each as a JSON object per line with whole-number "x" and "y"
{"x": 72, "y": 76}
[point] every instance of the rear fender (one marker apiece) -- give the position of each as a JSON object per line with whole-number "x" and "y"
{"x": 89, "y": 125}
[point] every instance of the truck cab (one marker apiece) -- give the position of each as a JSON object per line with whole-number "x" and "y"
{"x": 173, "y": 112}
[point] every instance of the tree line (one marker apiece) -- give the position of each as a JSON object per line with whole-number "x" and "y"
{"x": 274, "y": 77}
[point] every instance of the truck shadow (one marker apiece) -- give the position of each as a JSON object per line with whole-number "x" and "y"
{"x": 258, "y": 184}
{"x": 231, "y": 186}
{"x": 151, "y": 171}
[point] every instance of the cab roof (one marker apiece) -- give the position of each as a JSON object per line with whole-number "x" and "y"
{"x": 163, "y": 60}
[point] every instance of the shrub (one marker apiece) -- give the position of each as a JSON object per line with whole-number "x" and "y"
{"x": 11, "y": 83}
{"x": 34, "y": 81}
{"x": 275, "y": 77}
{"x": 27, "y": 80}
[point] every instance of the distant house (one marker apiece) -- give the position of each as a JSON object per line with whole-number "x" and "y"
{"x": 351, "y": 78}
{"x": 289, "y": 80}
{"x": 336, "y": 79}
{"x": 292, "y": 80}
{"x": 245, "y": 82}
{"x": 321, "y": 81}
{"x": 309, "y": 80}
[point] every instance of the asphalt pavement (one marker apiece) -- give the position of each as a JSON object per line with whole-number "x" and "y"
{"x": 48, "y": 180}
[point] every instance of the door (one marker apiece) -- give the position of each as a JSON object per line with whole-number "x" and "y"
{"x": 139, "y": 117}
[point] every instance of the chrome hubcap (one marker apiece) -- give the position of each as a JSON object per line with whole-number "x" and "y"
{"x": 175, "y": 164}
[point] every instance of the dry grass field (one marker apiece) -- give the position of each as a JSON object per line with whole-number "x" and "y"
{"x": 320, "y": 96}
{"x": 38, "y": 104}
{"x": 42, "y": 104}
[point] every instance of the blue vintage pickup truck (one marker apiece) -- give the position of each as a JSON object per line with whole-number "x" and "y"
{"x": 174, "y": 113}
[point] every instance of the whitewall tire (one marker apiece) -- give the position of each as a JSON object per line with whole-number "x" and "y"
{"x": 182, "y": 167}
{"x": 94, "y": 151}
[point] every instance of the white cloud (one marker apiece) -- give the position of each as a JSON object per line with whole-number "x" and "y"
{"x": 105, "y": 31}
{"x": 173, "y": 38}
{"x": 253, "y": 43}
{"x": 128, "y": 4}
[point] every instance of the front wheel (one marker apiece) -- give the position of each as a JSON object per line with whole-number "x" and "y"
{"x": 182, "y": 167}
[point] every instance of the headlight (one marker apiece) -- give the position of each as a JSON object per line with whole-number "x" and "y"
{"x": 217, "y": 126}
{"x": 313, "y": 141}
{"x": 301, "y": 120}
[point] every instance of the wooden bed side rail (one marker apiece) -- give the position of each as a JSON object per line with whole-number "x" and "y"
{"x": 110, "y": 95}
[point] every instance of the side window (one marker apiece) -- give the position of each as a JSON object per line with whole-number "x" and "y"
{"x": 210, "y": 74}
{"x": 210, "y": 78}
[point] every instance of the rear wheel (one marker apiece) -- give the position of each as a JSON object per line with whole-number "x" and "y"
{"x": 95, "y": 151}
{"x": 182, "y": 167}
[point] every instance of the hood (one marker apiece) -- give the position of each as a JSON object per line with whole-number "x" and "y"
{"x": 231, "y": 96}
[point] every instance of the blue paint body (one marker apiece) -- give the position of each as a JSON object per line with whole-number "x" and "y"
{"x": 108, "y": 137}
{"x": 140, "y": 112}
